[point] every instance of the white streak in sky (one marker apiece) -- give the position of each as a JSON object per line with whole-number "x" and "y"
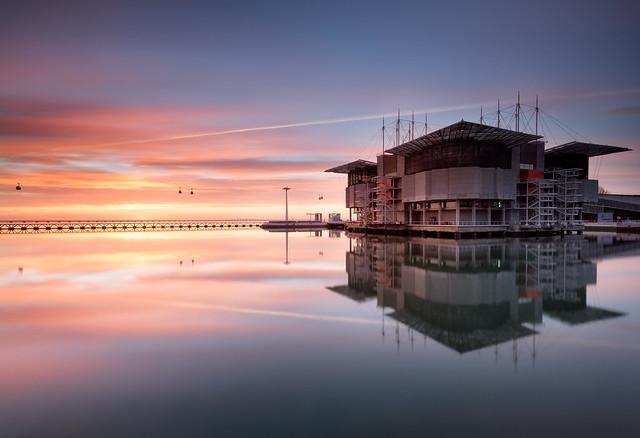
{"x": 435, "y": 110}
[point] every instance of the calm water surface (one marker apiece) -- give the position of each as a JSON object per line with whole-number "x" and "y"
{"x": 230, "y": 333}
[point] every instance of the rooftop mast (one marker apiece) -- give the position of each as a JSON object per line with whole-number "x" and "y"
{"x": 537, "y": 110}
{"x": 398, "y": 129}
{"x": 498, "y": 113}
{"x": 481, "y": 117}
{"x": 518, "y": 114}
{"x": 413, "y": 124}
{"x": 382, "y": 135}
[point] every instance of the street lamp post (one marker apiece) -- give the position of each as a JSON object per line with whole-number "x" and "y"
{"x": 286, "y": 203}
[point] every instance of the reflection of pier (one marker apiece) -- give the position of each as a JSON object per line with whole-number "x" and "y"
{"x": 22, "y": 227}
{"x": 292, "y": 226}
{"x": 471, "y": 294}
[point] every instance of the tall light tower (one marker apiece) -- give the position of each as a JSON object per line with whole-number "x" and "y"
{"x": 286, "y": 203}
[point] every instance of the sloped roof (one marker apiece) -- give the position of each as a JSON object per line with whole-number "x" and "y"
{"x": 350, "y": 167}
{"x": 581, "y": 148}
{"x": 464, "y": 131}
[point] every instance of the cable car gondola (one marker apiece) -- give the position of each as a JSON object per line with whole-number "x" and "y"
{"x": 18, "y": 187}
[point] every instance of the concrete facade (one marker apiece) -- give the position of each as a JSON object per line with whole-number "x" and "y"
{"x": 459, "y": 183}
{"x": 472, "y": 178}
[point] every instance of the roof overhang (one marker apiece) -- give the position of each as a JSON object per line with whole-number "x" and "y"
{"x": 353, "y": 166}
{"x": 586, "y": 149}
{"x": 464, "y": 131}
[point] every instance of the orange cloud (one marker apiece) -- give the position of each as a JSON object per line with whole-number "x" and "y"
{"x": 44, "y": 145}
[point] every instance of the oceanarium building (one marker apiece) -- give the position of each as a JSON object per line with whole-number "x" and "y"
{"x": 473, "y": 178}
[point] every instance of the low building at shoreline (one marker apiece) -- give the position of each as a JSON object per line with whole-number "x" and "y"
{"x": 473, "y": 178}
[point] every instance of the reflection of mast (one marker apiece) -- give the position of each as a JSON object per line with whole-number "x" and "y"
{"x": 286, "y": 247}
{"x": 411, "y": 337}
{"x": 533, "y": 353}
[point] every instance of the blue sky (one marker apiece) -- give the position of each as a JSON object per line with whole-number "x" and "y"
{"x": 77, "y": 75}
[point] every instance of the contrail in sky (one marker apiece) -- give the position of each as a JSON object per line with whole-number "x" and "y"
{"x": 442, "y": 109}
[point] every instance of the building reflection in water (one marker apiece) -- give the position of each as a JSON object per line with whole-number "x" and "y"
{"x": 471, "y": 294}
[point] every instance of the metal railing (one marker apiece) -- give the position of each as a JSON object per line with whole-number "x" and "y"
{"x": 463, "y": 223}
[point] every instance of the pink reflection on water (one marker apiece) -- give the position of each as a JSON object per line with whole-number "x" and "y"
{"x": 81, "y": 298}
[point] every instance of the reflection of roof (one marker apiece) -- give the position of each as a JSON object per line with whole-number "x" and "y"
{"x": 463, "y": 341}
{"x": 464, "y": 131}
{"x": 582, "y": 316}
{"x": 587, "y": 149}
{"x": 350, "y": 167}
{"x": 354, "y": 294}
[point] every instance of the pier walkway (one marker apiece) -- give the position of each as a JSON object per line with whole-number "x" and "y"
{"x": 83, "y": 226}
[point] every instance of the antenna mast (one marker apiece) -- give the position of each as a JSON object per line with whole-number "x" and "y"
{"x": 481, "y": 117}
{"x": 413, "y": 124}
{"x": 382, "y": 135}
{"x": 498, "y": 113}
{"x": 537, "y": 110}
{"x": 398, "y": 129}
{"x": 425, "y": 124}
{"x": 518, "y": 114}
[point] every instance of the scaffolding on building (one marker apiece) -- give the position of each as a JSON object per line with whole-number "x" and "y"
{"x": 568, "y": 196}
{"x": 536, "y": 202}
{"x": 387, "y": 194}
{"x": 555, "y": 199}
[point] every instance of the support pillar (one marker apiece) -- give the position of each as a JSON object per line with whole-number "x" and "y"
{"x": 457, "y": 212}
{"x": 473, "y": 212}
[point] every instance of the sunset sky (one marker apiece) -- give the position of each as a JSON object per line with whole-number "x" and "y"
{"x": 104, "y": 107}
